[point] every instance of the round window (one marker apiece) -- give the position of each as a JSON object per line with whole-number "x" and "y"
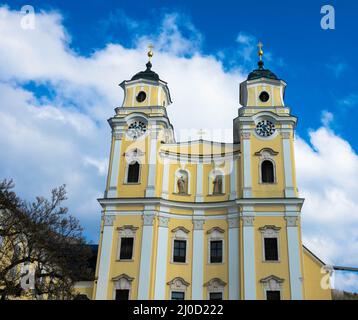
{"x": 264, "y": 96}
{"x": 141, "y": 96}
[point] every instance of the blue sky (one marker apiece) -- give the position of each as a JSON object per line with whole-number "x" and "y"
{"x": 59, "y": 85}
{"x": 316, "y": 63}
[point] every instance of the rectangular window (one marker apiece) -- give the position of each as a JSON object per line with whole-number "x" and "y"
{"x": 215, "y": 296}
{"x": 126, "y": 252}
{"x": 271, "y": 249}
{"x": 178, "y": 295}
{"x": 179, "y": 251}
{"x": 216, "y": 251}
{"x": 122, "y": 294}
{"x": 273, "y": 295}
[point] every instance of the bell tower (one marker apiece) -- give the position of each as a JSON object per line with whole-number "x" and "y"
{"x": 138, "y": 127}
{"x": 265, "y": 130}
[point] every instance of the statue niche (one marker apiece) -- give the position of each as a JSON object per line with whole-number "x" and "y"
{"x": 182, "y": 182}
{"x": 218, "y": 184}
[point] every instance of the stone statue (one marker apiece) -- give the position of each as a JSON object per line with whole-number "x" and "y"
{"x": 182, "y": 185}
{"x": 218, "y": 185}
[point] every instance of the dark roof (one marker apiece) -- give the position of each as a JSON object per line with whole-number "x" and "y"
{"x": 147, "y": 74}
{"x": 261, "y": 73}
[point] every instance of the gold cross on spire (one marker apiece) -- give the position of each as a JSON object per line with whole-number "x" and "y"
{"x": 150, "y": 52}
{"x": 260, "y": 53}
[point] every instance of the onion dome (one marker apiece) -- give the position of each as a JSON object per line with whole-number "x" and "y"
{"x": 147, "y": 74}
{"x": 261, "y": 72}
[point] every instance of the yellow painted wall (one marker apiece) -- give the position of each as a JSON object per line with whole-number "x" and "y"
{"x": 312, "y": 279}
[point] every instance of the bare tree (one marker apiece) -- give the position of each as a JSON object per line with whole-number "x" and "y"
{"x": 42, "y": 250}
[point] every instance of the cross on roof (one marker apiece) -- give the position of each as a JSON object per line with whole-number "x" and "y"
{"x": 261, "y": 53}
{"x": 201, "y": 132}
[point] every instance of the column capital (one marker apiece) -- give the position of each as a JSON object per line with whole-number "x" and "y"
{"x": 248, "y": 221}
{"x": 198, "y": 224}
{"x": 245, "y": 135}
{"x": 233, "y": 222}
{"x": 108, "y": 220}
{"x": 117, "y": 135}
{"x": 163, "y": 221}
{"x": 291, "y": 221}
{"x": 285, "y": 135}
{"x": 148, "y": 219}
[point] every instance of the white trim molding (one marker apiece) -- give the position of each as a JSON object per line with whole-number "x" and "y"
{"x": 233, "y": 258}
{"x": 287, "y": 163}
{"x": 294, "y": 258}
{"x": 116, "y": 157}
{"x": 146, "y": 256}
{"x": 233, "y": 180}
{"x": 249, "y": 256}
{"x": 216, "y": 234}
{"x": 199, "y": 183}
{"x": 246, "y": 151}
{"x": 165, "y": 188}
{"x": 105, "y": 257}
{"x": 270, "y": 231}
{"x": 150, "y": 190}
{"x": 161, "y": 263}
{"x": 126, "y": 231}
{"x": 180, "y": 233}
{"x": 198, "y": 259}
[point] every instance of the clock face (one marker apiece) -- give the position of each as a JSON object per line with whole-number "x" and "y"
{"x": 265, "y": 128}
{"x": 136, "y": 129}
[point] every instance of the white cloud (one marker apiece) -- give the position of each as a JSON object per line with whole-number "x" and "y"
{"x": 47, "y": 141}
{"x": 327, "y": 173}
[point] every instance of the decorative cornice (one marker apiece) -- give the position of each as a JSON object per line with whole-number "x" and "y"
{"x": 185, "y": 230}
{"x": 266, "y": 150}
{"x": 127, "y": 227}
{"x": 123, "y": 276}
{"x": 269, "y": 227}
{"x": 217, "y": 229}
{"x": 215, "y": 282}
{"x": 178, "y": 282}
{"x": 203, "y": 205}
{"x": 272, "y": 277}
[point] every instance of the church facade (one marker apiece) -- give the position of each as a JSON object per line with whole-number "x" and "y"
{"x": 203, "y": 219}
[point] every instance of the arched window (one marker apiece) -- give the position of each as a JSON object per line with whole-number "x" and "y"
{"x": 133, "y": 172}
{"x": 267, "y": 172}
